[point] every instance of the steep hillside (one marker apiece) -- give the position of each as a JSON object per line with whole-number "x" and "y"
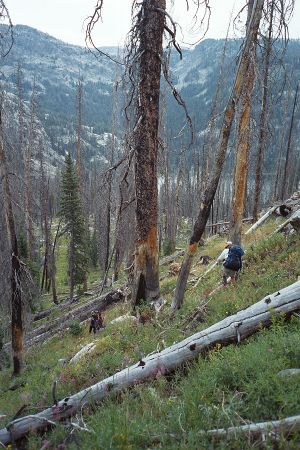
{"x": 227, "y": 386}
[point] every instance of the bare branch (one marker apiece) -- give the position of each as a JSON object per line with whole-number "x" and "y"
{"x": 4, "y": 17}
{"x": 91, "y": 22}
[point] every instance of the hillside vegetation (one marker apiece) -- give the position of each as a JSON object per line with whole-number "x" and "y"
{"x": 228, "y": 386}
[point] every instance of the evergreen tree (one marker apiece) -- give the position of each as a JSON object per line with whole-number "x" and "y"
{"x": 72, "y": 215}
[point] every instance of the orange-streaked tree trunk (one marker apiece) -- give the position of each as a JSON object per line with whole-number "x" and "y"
{"x": 242, "y": 158}
{"x": 15, "y": 280}
{"x": 210, "y": 190}
{"x": 151, "y": 28}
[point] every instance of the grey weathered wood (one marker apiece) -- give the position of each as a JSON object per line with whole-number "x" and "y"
{"x": 83, "y": 352}
{"x": 232, "y": 329}
{"x": 81, "y": 313}
{"x": 274, "y": 427}
{"x": 261, "y": 220}
{"x": 294, "y": 217}
{"x": 171, "y": 258}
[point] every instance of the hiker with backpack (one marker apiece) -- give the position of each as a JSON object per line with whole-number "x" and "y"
{"x": 93, "y": 323}
{"x": 99, "y": 320}
{"x": 96, "y": 322}
{"x": 232, "y": 257}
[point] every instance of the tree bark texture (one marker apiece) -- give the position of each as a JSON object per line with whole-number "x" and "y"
{"x": 211, "y": 188}
{"x": 232, "y": 329}
{"x": 242, "y": 158}
{"x": 151, "y": 28}
{"x": 285, "y": 179}
{"x": 15, "y": 279}
{"x": 261, "y": 220}
{"x": 27, "y": 178}
{"x": 263, "y": 118}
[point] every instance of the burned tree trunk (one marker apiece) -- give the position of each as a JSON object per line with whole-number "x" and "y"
{"x": 15, "y": 279}
{"x": 28, "y": 175}
{"x": 242, "y": 158}
{"x": 263, "y": 118}
{"x": 285, "y": 181}
{"x": 150, "y": 30}
{"x": 211, "y": 188}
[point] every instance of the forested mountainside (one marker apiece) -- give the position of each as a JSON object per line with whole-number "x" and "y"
{"x": 56, "y": 68}
{"x": 114, "y": 333}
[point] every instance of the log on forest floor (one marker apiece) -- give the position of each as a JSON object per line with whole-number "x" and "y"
{"x": 171, "y": 258}
{"x": 83, "y": 352}
{"x": 261, "y": 220}
{"x": 275, "y": 428}
{"x": 232, "y": 329}
{"x": 295, "y": 217}
{"x": 79, "y": 313}
{"x": 65, "y": 304}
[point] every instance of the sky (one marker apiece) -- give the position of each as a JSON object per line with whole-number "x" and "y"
{"x": 64, "y": 19}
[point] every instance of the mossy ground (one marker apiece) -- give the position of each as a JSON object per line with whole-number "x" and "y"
{"x": 229, "y": 386}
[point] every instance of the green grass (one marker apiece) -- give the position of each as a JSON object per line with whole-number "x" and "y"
{"x": 229, "y": 386}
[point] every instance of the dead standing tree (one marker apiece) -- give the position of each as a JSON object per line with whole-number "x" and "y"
{"x": 148, "y": 31}
{"x": 16, "y": 269}
{"x": 243, "y": 135}
{"x": 28, "y": 154}
{"x": 243, "y": 142}
{"x": 210, "y": 190}
{"x": 144, "y": 62}
{"x": 263, "y": 114}
{"x": 6, "y": 42}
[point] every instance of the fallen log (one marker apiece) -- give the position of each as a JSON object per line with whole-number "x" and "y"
{"x": 232, "y": 329}
{"x": 79, "y": 314}
{"x": 295, "y": 217}
{"x": 83, "y": 352}
{"x": 171, "y": 258}
{"x": 218, "y": 224}
{"x": 261, "y": 220}
{"x": 256, "y": 430}
{"x": 295, "y": 222}
{"x": 211, "y": 267}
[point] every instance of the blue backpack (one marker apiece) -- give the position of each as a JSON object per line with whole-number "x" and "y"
{"x": 234, "y": 258}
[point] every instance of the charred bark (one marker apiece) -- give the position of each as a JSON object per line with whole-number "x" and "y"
{"x": 151, "y": 28}
{"x": 211, "y": 188}
{"x": 285, "y": 180}
{"x": 242, "y": 158}
{"x": 15, "y": 278}
{"x": 263, "y": 119}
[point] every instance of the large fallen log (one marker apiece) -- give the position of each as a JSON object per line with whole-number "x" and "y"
{"x": 168, "y": 259}
{"x": 295, "y": 221}
{"x": 209, "y": 269}
{"x": 261, "y": 220}
{"x": 232, "y": 329}
{"x": 295, "y": 217}
{"x": 83, "y": 352}
{"x": 80, "y": 313}
{"x": 256, "y": 430}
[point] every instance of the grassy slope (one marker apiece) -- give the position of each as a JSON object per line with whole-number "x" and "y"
{"x": 230, "y": 386}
